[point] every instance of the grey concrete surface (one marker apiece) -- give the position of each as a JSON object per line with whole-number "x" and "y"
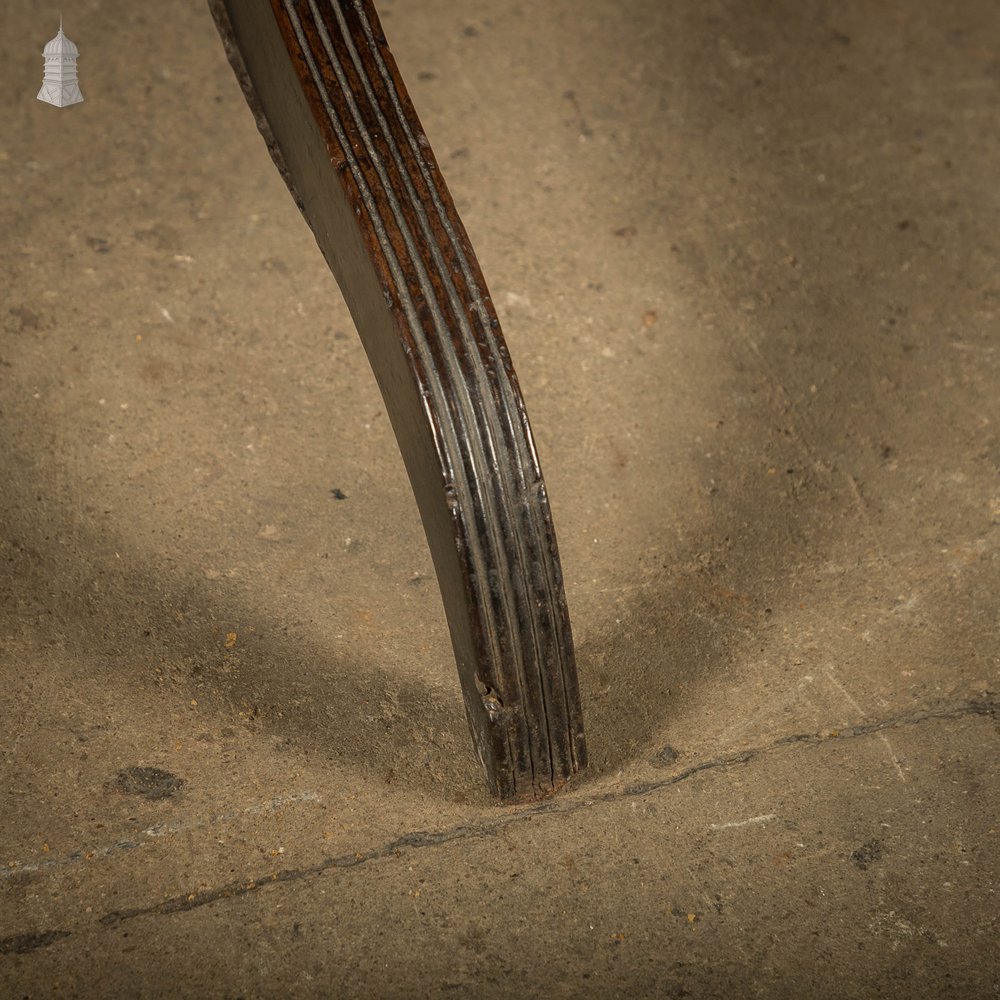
{"x": 746, "y": 259}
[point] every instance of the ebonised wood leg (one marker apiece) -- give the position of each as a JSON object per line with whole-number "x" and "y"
{"x": 329, "y": 101}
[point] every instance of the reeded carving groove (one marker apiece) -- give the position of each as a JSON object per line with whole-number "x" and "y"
{"x": 340, "y": 127}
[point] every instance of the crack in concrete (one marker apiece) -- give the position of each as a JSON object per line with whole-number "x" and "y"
{"x": 988, "y": 705}
{"x": 20, "y": 944}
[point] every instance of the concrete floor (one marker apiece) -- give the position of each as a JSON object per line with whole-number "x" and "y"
{"x": 746, "y": 257}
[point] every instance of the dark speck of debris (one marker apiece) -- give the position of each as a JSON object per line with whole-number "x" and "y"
{"x": 338, "y": 494}
{"x": 667, "y": 755}
{"x": 904, "y": 224}
{"x": 25, "y": 319}
{"x": 470, "y": 31}
{"x": 426, "y": 74}
{"x": 867, "y": 854}
{"x": 460, "y": 154}
{"x": 417, "y": 580}
{"x": 626, "y": 232}
{"x": 149, "y": 782}
{"x": 98, "y": 244}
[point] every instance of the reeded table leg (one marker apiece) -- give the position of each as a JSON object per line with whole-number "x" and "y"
{"x": 340, "y": 127}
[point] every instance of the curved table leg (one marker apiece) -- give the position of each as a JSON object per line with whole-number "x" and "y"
{"x": 340, "y": 127}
